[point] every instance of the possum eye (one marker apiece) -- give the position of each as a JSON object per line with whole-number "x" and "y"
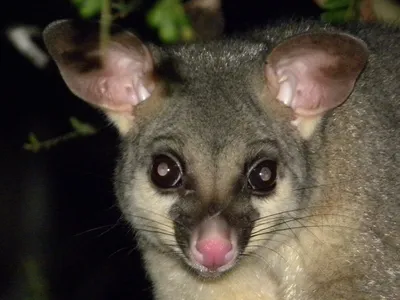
{"x": 166, "y": 172}
{"x": 261, "y": 177}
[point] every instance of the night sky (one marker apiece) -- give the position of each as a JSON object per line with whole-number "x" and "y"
{"x": 51, "y": 201}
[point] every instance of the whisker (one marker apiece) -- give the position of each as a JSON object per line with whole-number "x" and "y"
{"x": 150, "y": 220}
{"x": 285, "y": 222}
{"x": 161, "y": 215}
{"x": 262, "y": 258}
{"x": 307, "y": 226}
{"x": 278, "y": 214}
{"x": 131, "y": 251}
{"x": 119, "y": 250}
{"x": 296, "y": 237}
{"x": 94, "y": 229}
{"x": 301, "y": 209}
{"x": 255, "y": 247}
{"x": 297, "y": 220}
{"x": 109, "y": 228}
{"x": 264, "y": 222}
{"x": 154, "y": 231}
{"x": 294, "y": 219}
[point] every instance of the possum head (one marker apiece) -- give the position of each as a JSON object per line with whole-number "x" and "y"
{"x": 214, "y": 135}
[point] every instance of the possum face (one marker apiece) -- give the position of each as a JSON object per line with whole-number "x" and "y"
{"x": 210, "y": 182}
{"x": 213, "y": 139}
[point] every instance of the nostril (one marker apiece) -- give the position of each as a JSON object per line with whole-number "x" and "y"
{"x": 214, "y": 252}
{"x": 213, "y": 244}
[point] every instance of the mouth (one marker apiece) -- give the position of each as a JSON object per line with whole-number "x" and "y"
{"x": 213, "y": 247}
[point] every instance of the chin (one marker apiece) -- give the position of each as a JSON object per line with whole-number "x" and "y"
{"x": 210, "y": 273}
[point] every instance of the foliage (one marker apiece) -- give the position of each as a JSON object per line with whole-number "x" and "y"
{"x": 37, "y": 285}
{"x": 340, "y": 11}
{"x": 79, "y": 129}
{"x": 167, "y": 17}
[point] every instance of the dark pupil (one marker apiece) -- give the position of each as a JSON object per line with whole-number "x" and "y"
{"x": 262, "y": 177}
{"x": 166, "y": 172}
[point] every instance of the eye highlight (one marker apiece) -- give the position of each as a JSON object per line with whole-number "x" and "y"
{"x": 166, "y": 172}
{"x": 261, "y": 177}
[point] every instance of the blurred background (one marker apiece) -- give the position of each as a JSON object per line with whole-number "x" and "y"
{"x": 61, "y": 236}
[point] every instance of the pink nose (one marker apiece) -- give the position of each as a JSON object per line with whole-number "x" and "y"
{"x": 215, "y": 252}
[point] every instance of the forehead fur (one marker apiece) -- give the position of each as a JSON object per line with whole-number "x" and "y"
{"x": 208, "y": 86}
{"x": 214, "y": 102}
{"x": 198, "y": 59}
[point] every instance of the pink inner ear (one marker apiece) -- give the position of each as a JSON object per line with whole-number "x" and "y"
{"x": 304, "y": 87}
{"x": 121, "y": 83}
{"x": 313, "y": 73}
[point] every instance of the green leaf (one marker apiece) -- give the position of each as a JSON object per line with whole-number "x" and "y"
{"x": 336, "y": 4}
{"x": 82, "y": 128}
{"x": 33, "y": 143}
{"x": 88, "y": 8}
{"x": 37, "y": 283}
{"x": 78, "y": 2}
{"x": 168, "y": 17}
{"x": 335, "y": 16}
{"x": 187, "y": 33}
{"x": 169, "y": 32}
{"x": 155, "y": 16}
{"x": 351, "y": 14}
{"x": 123, "y": 8}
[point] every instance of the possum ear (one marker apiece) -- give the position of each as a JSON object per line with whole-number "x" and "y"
{"x": 313, "y": 73}
{"x": 114, "y": 79}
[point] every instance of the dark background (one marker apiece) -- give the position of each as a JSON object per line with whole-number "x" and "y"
{"x": 52, "y": 202}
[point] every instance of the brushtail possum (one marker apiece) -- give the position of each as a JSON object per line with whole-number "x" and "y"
{"x": 263, "y": 166}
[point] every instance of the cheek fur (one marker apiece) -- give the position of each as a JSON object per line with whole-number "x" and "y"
{"x": 147, "y": 210}
{"x": 276, "y": 213}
